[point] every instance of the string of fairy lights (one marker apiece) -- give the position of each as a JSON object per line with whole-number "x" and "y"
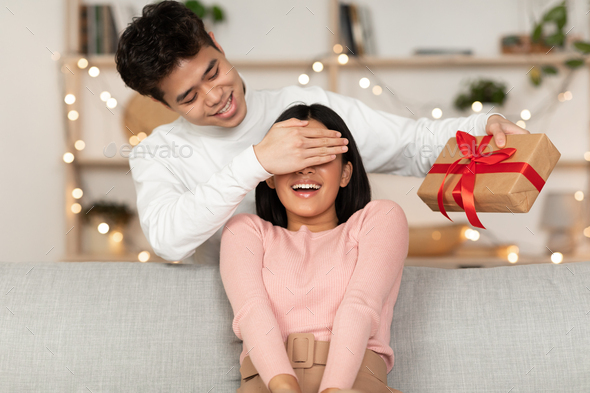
{"x": 77, "y": 193}
{"x": 317, "y": 66}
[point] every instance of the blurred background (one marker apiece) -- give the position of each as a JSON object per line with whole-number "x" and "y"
{"x": 66, "y": 196}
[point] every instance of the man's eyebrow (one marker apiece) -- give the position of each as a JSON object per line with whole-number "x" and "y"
{"x": 182, "y": 96}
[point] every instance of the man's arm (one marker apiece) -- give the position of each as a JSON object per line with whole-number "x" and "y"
{"x": 176, "y": 219}
{"x": 400, "y": 145}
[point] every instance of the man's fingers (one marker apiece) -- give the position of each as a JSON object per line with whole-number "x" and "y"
{"x": 319, "y": 132}
{"x": 499, "y": 138}
{"x": 293, "y": 122}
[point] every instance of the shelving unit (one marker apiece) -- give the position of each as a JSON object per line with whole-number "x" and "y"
{"x": 73, "y": 84}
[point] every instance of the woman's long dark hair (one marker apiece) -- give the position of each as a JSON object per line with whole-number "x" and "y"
{"x": 350, "y": 199}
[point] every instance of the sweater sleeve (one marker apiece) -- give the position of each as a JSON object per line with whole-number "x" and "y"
{"x": 383, "y": 239}
{"x": 399, "y": 145}
{"x": 254, "y": 321}
{"x": 177, "y": 219}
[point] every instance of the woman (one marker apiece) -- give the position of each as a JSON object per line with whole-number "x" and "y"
{"x": 314, "y": 276}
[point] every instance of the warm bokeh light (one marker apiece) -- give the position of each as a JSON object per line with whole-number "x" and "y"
{"x": 73, "y": 115}
{"x": 103, "y": 227}
{"x": 343, "y": 58}
{"x": 317, "y": 66}
{"x": 471, "y": 234}
{"x": 133, "y": 140}
{"x": 77, "y": 193}
{"x": 105, "y": 95}
{"x": 521, "y": 124}
{"x": 76, "y": 208}
{"x": 587, "y": 156}
{"x": 586, "y": 232}
{"x": 93, "y": 72}
{"x": 55, "y": 56}
{"x": 82, "y": 63}
{"x": 304, "y": 79}
{"x": 337, "y": 48}
{"x": 70, "y": 99}
{"x": 111, "y": 103}
{"x": 79, "y": 144}
{"x": 117, "y": 236}
{"x": 556, "y": 257}
{"x": 437, "y": 113}
{"x": 512, "y": 257}
{"x": 525, "y": 114}
{"x": 567, "y": 95}
{"x": 579, "y": 195}
{"x": 436, "y": 235}
{"x": 143, "y": 256}
{"x": 68, "y": 157}
{"x": 141, "y": 136}
{"x": 364, "y": 83}
{"x": 477, "y": 106}
{"x": 377, "y": 90}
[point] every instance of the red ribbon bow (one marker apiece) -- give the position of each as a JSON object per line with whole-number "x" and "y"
{"x": 479, "y": 163}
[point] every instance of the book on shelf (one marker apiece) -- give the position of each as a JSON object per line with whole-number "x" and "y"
{"x": 355, "y": 29}
{"x": 442, "y": 51}
{"x": 98, "y": 30}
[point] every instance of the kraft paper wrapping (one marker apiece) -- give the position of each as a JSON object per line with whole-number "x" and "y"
{"x": 495, "y": 192}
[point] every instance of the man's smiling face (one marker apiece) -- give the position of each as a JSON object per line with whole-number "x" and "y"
{"x": 206, "y": 90}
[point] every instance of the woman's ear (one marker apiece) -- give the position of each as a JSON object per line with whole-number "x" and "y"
{"x": 271, "y": 182}
{"x": 346, "y": 174}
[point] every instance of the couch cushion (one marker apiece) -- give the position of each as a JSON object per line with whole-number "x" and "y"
{"x": 100, "y": 327}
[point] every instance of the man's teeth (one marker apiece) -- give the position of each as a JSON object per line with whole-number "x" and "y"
{"x": 306, "y": 186}
{"x": 226, "y": 107}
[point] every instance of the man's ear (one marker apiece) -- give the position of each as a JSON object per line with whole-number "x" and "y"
{"x": 216, "y": 43}
{"x": 165, "y": 106}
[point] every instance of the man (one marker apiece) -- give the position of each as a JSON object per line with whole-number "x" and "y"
{"x": 227, "y": 144}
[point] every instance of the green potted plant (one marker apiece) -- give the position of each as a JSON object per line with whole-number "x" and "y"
{"x": 483, "y": 90}
{"x": 557, "y": 18}
{"x": 214, "y": 12}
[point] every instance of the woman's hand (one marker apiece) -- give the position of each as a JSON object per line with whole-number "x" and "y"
{"x": 284, "y": 383}
{"x": 498, "y": 127}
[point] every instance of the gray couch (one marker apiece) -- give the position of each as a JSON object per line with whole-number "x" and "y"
{"x": 133, "y": 327}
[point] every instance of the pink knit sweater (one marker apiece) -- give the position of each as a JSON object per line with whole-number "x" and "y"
{"x": 340, "y": 284}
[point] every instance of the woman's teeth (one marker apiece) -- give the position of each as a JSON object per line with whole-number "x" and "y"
{"x": 226, "y": 107}
{"x": 306, "y": 186}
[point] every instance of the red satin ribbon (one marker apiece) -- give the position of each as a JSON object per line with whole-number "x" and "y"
{"x": 490, "y": 163}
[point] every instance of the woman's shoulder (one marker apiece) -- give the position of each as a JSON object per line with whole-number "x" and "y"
{"x": 377, "y": 210}
{"x": 249, "y": 219}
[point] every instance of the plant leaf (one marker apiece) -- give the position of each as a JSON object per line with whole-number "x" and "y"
{"x": 549, "y": 70}
{"x": 574, "y": 63}
{"x": 582, "y": 46}
{"x": 537, "y": 32}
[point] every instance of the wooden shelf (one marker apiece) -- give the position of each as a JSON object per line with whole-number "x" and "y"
{"x": 108, "y": 61}
{"x": 101, "y": 163}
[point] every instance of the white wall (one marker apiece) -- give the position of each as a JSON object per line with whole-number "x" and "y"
{"x": 31, "y": 202}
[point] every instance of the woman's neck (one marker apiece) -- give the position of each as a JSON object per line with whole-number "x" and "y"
{"x": 322, "y": 222}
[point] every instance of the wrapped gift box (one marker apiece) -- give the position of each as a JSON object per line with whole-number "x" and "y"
{"x": 481, "y": 177}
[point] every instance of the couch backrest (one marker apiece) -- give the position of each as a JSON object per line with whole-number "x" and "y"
{"x": 115, "y": 326}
